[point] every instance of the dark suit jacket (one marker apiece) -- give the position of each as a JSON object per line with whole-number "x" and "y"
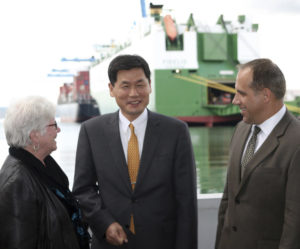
{"x": 164, "y": 199}
{"x": 263, "y": 209}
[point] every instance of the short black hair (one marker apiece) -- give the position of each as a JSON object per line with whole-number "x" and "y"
{"x": 266, "y": 74}
{"x": 127, "y": 62}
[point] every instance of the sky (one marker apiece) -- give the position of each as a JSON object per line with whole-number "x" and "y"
{"x": 36, "y": 34}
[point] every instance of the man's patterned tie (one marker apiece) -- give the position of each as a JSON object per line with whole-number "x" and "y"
{"x": 250, "y": 149}
{"x": 133, "y": 161}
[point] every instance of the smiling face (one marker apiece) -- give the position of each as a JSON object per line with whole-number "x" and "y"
{"x": 250, "y": 102}
{"x": 46, "y": 141}
{"x": 131, "y": 91}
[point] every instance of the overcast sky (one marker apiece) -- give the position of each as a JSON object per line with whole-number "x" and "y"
{"x": 36, "y": 34}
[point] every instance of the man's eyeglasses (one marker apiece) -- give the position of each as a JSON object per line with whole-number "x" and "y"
{"x": 54, "y": 124}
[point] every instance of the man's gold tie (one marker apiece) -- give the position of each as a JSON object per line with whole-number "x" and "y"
{"x": 133, "y": 161}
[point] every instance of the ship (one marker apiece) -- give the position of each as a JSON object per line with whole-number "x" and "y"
{"x": 193, "y": 66}
{"x": 75, "y": 102}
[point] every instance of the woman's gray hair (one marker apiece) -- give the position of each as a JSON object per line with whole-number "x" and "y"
{"x": 24, "y": 116}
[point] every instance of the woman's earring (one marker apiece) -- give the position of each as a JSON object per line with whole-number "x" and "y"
{"x": 36, "y": 147}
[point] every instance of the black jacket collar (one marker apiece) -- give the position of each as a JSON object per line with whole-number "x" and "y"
{"x": 50, "y": 173}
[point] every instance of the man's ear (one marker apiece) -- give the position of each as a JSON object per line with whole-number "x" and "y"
{"x": 150, "y": 86}
{"x": 267, "y": 94}
{"x": 111, "y": 87}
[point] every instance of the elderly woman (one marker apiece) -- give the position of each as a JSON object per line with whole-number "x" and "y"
{"x": 37, "y": 210}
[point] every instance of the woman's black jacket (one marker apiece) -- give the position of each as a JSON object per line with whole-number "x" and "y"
{"x": 31, "y": 216}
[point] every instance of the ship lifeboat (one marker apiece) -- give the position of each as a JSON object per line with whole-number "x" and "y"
{"x": 170, "y": 27}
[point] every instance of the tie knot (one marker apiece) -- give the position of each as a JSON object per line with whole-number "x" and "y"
{"x": 256, "y": 130}
{"x": 131, "y": 127}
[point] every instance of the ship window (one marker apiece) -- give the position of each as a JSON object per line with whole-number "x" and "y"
{"x": 219, "y": 97}
{"x": 176, "y": 44}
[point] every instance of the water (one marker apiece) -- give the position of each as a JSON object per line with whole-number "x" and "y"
{"x": 210, "y": 147}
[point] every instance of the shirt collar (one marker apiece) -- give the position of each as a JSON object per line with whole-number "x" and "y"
{"x": 268, "y": 125}
{"x": 124, "y": 122}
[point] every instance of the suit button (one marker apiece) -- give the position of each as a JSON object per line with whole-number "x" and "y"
{"x": 234, "y": 228}
{"x": 237, "y": 201}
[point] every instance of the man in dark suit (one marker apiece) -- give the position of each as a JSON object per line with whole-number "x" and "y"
{"x": 155, "y": 207}
{"x": 260, "y": 207}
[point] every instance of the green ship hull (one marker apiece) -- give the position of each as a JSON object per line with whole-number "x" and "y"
{"x": 192, "y": 102}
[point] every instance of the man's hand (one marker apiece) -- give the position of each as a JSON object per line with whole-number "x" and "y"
{"x": 115, "y": 234}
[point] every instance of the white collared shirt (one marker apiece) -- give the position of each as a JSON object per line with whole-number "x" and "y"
{"x": 266, "y": 128}
{"x": 139, "y": 129}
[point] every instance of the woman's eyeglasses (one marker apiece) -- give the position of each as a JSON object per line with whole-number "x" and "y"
{"x": 54, "y": 124}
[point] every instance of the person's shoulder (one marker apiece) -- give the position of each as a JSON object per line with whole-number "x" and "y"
{"x": 167, "y": 120}
{"x": 295, "y": 121}
{"x": 294, "y": 127}
{"x": 18, "y": 187}
{"x": 242, "y": 125}
{"x": 102, "y": 119}
{"x": 13, "y": 174}
{"x": 12, "y": 167}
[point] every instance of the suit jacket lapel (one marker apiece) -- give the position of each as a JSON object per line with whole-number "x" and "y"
{"x": 237, "y": 149}
{"x": 151, "y": 139}
{"x": 115, "y": 144}
{"x": 270, "y": 144}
